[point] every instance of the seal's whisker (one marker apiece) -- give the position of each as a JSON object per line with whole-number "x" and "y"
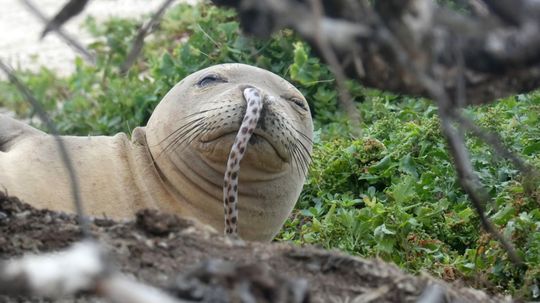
{"x": 299, "y": 163}
{"x": 178, "y": 134}
{"x": 305, "y": 162}
{"x": 292, "y": 156}
{"x": 202, "y": 112}
{"x": 305, "y": 156}
{"x": 175, "y": 132}
{"x": 184, "y": 136}
{"x": 199, "y": 116}
{"x": 306, "y": 137}
{"x": 306, "y": 152}
{"x": 189, "y": 139}
{"x": 181, "y": 133}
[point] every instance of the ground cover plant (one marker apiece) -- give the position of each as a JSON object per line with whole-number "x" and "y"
{"x": 390, "y": 193}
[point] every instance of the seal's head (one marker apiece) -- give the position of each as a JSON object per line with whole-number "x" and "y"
{"x": 191, "y": 132}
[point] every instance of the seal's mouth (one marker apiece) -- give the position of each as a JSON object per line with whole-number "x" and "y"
{"x": 259, "y": 138}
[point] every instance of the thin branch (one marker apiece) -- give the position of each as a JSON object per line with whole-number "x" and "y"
{"x": 433, "y": 293}
{"x": 54, "y": 274}
{"x": 345, "y": 98}
{"x": 510, "y": 11}
{"x": 81, "y": 267}
{"x": 500, "y": 59}
{"x": 138, "y": 42}
{"x": 470, "y": 183}
{"x": 70, "y": 10}
{"x": 74, "y": 180}
{"x": 492, "y": 139}
{"x": 120, "y": 289}
{"x": 456, "y": 144}
{"x": 65, "y": 36}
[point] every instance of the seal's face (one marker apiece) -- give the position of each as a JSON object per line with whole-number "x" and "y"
{"x": 196, "y": 123}
{"x": 215, "y": 107}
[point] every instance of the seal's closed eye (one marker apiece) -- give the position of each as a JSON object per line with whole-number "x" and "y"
{"x": 211, "y": 79}
{"x": 298, "y": 103}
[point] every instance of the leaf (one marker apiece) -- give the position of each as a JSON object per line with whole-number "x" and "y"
{"x": 407, "y": 165}
{"x": 305, "y": 71}
{"x": 404, "y": 191}
{"x": 466, "y": 214}
{"x": 386, "y": 245}
{"x": 382, "y": 164}
{"x": 504, "y": 214}
{"x": 532, "y": 148}
{"x": 381, "y": 230}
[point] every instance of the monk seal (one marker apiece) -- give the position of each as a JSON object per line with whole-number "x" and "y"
{"x": 176, "y": 163}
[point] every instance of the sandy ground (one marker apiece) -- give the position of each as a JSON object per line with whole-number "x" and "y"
{"x": 21, "y": 47}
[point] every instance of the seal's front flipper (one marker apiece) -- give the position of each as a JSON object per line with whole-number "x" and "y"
{"x": 12, "y": 131}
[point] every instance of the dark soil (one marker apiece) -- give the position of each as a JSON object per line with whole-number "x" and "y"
{"x": 199, "y": 265}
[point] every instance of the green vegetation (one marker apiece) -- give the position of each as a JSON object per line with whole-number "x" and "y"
{"x": 392, "y": 193}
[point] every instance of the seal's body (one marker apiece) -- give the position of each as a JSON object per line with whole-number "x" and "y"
{"x": 177, "y": 162}
{"x": 114, "y": 181}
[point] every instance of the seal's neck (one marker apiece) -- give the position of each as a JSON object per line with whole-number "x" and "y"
{"x": 187, "y": 184}
{"x": 150, "y": 181}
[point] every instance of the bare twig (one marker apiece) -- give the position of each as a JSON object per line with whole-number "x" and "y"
{"x": 492, "y": 139}
{"x": 456, "y": 144}
{"x": 345, "y": 99}
{"x": 119, "y": 289}
{"x": 433, "y": 293}
{"x": 138, "y": 42}
{"x": 82, "y": 267}
{"x": 500, "y": 58}
{"x": 510, "y": 11}
{"x": 42, "y": 114}
{"x": 55, "y": 274}
{"x": 65, "y": 36}
{"x": 70, "y": 10}
{"x": 469, "y": 182}
{"x": 373, "y": 295}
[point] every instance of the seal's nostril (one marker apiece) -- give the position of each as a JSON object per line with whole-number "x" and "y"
{"x": 244, "y": 86}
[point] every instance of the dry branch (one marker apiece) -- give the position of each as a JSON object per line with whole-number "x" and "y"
{"x": 64, "y": 155}
{"x": 500, "y": 58}
{"x": 420, "y": 48}
{"x": 68, "y": 11}
{"x": 72, "y": 42}
{"x": 80, "y": 268}
{"x": 138, "y": 42}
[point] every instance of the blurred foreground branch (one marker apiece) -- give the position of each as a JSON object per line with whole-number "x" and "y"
{"x": 500, "y": 58}
{"x": 64, "y": 155}
{"x": 82, "y": 267}
{"x": 138, "y": 42}
{"x": 419, "y": 48}
{"x": 70, "y": 10}
{"x": 54, "y": 26}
